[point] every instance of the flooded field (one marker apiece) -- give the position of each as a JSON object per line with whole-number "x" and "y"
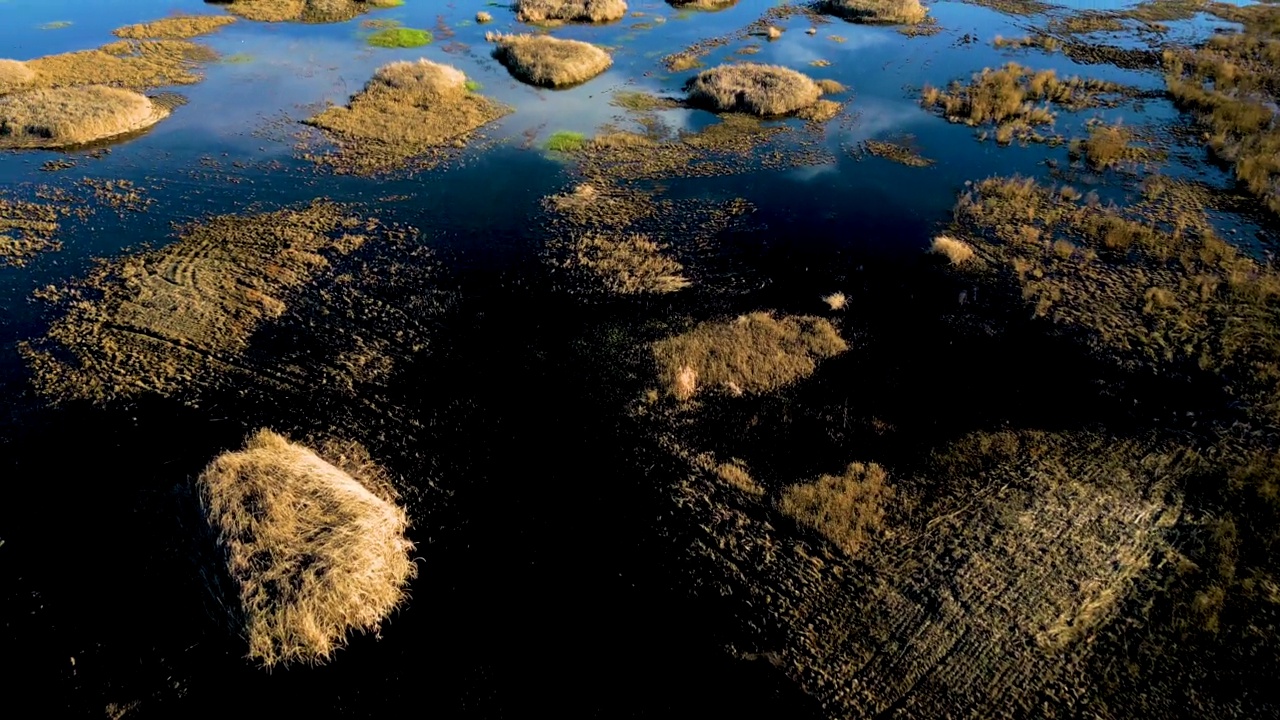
{"x": 629, "y": 359}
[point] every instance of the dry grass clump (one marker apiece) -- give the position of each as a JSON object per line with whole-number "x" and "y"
{"x": 64, "y": 117}
{"x": 547, "y": 61}
{"x": 836, "y": 301}
{"x": 958, "y": 252}
{"x": 755, "y": 353}
{"x": 164, "y": 318}
{"x": 1109, "y": 146}
{"x": 559, "y": 11}
{"x": 1008, "y": 97}
{"x": 1047, "y": 43}
{"x": 764, "y": 90}
{"x": 174, "y": 28}
{"x": 27, "y": 229}
{"x": 313, "y": 554}
{"x": 14, "y": 75}
{"x": 1151, "y": 287}
{"x": 901, "y": 153}
{"x": 629, "y": 264}
{"x": 407, "y": 109}
{"x": 846, "y": 509}
{"x": 309, "y": 11}
{"x": 890, "y": 12}
{"x": 1232, "y": 84}
{"x": 135, "y": 64}
{"x": 484, "y": 17}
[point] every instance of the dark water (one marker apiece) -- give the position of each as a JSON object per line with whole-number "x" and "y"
{"x": 544, "y": 585}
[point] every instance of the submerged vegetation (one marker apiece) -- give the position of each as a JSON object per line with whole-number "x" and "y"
{"x": 400, "y": 37}
{"x": 407, "y": 110}
{"x": 751, "y": 354}
{"x": 313, "y": 553}
{"x": 547, "y": 61}
{"x": 64, "y": 117}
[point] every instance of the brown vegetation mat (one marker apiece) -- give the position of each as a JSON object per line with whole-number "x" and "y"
{"x": 985, "y": 603}
{"x": 28, "y": 229}
{"x": 156, "y": 322}
{"x": 419, "y": 111}
{"x": 15, "y": 75}
{"x": 313, "y": 552}
{"x": 1150, "y": 286}
{"x": 1007, "y": 99}
{"x": 133, "y": 64}
{"x": 174, "y": 28}
{"x": 626, "y": 264}
{"x": 753, "y": 353}
{"x": 888, "y": 12}
{"x": 901, "y": 153}
{"x": 547, "y": 61}
{"x": 765, "y": 90}
{"x": 68, "y": 116}
{"x": 550, "y": 12}
{"x": 1111, "y": 146}
{"x": 307, "y": 11}
{"x": 1232, "y": 84}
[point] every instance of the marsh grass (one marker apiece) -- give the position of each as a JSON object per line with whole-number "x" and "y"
{"x": 627, "y": 264}
{"x": 1109, "y": 146}
{"x": 407, "y": 110}
{"x": 313, "y": 553}
{"x": 549, "y": 62}
{"x": 177, "y": 27}
{"x": 28, "y": 229}
{"x": 306, "y": 11}
{"x": 887, "y": 12}
{"x": 565, "y": 141}
{"x": 400, "y": 37}
{"x": 641, "y": 102}
{"x": 957, "y": 252}
{"x": 1232, "y": 84}
{"x": 752, "y": 354}
{"x": 764, "y": 90}
{"x": 1048, "y": 43}
{"x": 1016, "y": 99}
{"x": 135, "y": 64}
{"x": 65, "y": 117}
{"x": 1149, "y": 287}
{"x": 14, "y": 75}
{"x": 847, "y": 509}
{"x": 561, "y": 11}
{"x": 899, "y": 152}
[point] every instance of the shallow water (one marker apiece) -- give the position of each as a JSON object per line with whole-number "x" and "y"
{"x": 582, "y": 635}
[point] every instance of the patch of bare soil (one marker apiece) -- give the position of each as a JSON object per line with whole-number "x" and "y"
{"x": 409, "y": 111}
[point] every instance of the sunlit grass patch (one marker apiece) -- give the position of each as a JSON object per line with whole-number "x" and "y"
{"x": 313, "y": 552}
{"x": 766, "y": 90}
{"x": 889, "y": 12}
{"x": 847, "y": 509}
{"x": 565, "y": 141}
{"x": 176, "y": 27}
{"x": 547, "y": 61}
{"x": 400, "y": 37}
{"x": 63, "y": 117}
{"x": 582, "y": 11}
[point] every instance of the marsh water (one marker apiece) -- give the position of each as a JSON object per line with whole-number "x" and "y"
{"x": 545, "y": 580}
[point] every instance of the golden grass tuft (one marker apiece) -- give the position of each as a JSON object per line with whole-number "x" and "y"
{"x": 175, "y": 28}
{"x": 14, "y": 75}
{"x": 307, "y": 11}
{"x": 560, "y": 11}
{"x": 889, "y": 12}
{"x": 836, "y": 300}
{"x": 484, "y": 17}
{"x": 313, "y": 553}
{"x": 406, "y": 110}
{"x": 846, "y": 509}
{"x": 755, "y": 353}
{"x": 958, "y": 252}
{"x": 765, "y": 90}
{"x": 64, "y": 117}
{"x": 831, "y": 87}
{"x": 735, "y": 475}
{"x": 628, "y": 264}
{"x": 547, "y": 61}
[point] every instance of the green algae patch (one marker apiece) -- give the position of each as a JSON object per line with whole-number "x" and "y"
{"x": 56, "y": 25}
{"x": 566, "y": 141}
{"x": 400, "y": 38}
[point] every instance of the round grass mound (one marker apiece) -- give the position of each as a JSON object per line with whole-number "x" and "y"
{"x": 14, "y": 75}
{"x": 887, "y": 12}
{"x": 312, "y": 552}
{"x": 560, "y": 11}
{"x": 549, "y": 62}
{"x": 64, "y": 117}
{"x": 763, "y": 90}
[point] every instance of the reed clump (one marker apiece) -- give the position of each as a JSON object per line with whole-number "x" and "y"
{"x": 763, "y": 90}
{"x": 313, "y": 553}
{"x": 627, "y": 264}
{"x": 561, "y": 11}
{"x": 406, "y": 110}
{"x": 752, "y": 354}
{"x": 549, "y": 62}
{"x": 65, "y": 117}
{"x": 847, "y": 509}
{"x": 887, "y": 12}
